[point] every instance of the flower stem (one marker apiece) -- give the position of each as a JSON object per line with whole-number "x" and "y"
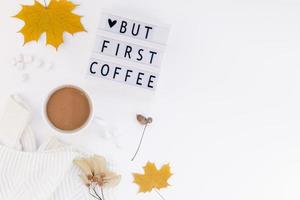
{"x": 141, "y": 140}
{"x": 97, "y": 193}
{"x": 102, "y": 193}
{"x": 158, "y": 193}
{"x": 93, "y": 194}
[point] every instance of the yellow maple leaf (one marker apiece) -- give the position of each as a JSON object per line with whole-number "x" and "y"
{"x": 152, "y": 177}
{"x": 54, "y": 20}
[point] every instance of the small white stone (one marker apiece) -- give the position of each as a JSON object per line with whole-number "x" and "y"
{"x": 49, "y": 66}
{"x": 20, "y": 66}
{"x": 13, "y": 62}
{"x": 38, "y": 63}
{"x": 19, "y": 58}
{"x": 24, "y": 77}
{"x": 28, "y": 59}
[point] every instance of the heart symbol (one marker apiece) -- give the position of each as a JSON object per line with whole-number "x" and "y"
{"x": 112, "y": 22}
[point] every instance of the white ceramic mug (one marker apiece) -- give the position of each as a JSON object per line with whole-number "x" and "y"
{"x": 90, "y": 119}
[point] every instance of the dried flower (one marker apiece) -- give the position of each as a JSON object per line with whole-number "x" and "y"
{"x": 96, "y": 174}
{"x": 143, "y": 121}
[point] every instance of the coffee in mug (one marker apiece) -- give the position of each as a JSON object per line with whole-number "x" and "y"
{"x": 68, "y": 108}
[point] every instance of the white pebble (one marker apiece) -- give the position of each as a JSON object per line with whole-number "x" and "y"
{"x": 13, "y": 62}
{"x": 38, "y": 63}
{"x": 20, "y": 66}
{"x": 28, "y": 59}
{"x": 49, "y": 66}
{"x": 24, "y": 77}
{"x": 19, "y": 58}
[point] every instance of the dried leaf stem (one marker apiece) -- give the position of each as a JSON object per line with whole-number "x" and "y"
{"x": 159, "y": 194}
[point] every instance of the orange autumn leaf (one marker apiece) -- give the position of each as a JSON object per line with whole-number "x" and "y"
{"x": 152, "y": 177}
{"x": 54, "y": 20}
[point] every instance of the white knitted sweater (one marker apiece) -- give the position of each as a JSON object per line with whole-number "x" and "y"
{"x": 39, "y": 176}
{"x": 48, "y": 174}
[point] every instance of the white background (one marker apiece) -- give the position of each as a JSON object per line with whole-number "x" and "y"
{"x": 226, "y": 111}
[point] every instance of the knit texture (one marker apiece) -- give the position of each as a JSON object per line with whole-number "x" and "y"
{"x": 46, "y": 173}
{"x": 40, "y": 176}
